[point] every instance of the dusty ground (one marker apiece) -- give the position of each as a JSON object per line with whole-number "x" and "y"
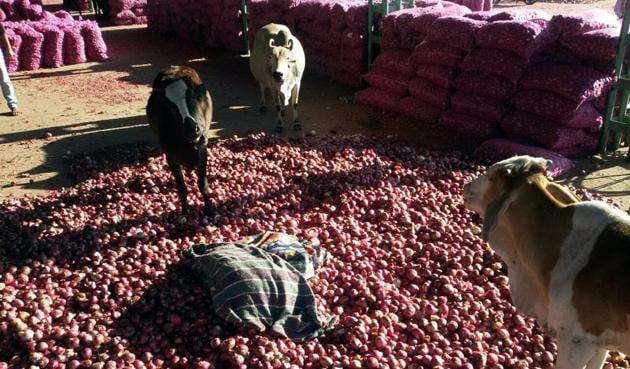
{"x": 91, "y": 106}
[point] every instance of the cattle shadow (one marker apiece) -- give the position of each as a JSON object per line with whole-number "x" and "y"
{"x": 174, "y": 314}
{"x": 607, "y": 175}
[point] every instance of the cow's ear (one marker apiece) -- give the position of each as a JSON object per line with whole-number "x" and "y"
{"x": 290, "y": 44}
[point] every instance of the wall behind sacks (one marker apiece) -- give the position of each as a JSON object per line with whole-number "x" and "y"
{"x": 538, "y": 81}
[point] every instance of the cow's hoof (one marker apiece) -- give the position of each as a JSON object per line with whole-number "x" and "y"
{"x": 209, "y": 211}
{"x": 279, "y": 129}
{"x": 297, "y": 126}
{"x": 262, "y": 109}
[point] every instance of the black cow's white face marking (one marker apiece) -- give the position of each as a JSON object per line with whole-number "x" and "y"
{"x": 182, "y": 97}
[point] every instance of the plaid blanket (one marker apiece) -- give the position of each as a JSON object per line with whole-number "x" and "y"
{"x": 254, "y": 288}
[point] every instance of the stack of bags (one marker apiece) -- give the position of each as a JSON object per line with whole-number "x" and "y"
{"x": 414, "y": 84}
{"x": 504, "y": 46}
{"x": 333, "y": 34}
{"x": 555, "y": 109}
{"x": 561, "y": 102}
{"x": 263, "y": 12}
{"x": 53, "y": 42}
{"x": 125, "y": 12}
{"x": 437, "y": 61}
{"x": 159, "y": 17}
{"x": 17, "y": 10}
{"x": 211, "y": 23}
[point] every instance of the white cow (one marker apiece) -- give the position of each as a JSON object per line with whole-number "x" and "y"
{"x": 277, "y": 62}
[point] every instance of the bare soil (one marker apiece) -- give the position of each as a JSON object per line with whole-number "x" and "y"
{"x": 82, "y": 108}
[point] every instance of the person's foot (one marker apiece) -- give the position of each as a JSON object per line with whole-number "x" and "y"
{"x": 14, "y": 112}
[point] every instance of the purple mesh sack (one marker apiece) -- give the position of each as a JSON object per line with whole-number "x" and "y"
{"x": 481, "y": 107}
{"x": 31, "y": 49}
{"x": 62, "y": 14}
{"x": 558, "y": 109}
{"x": 520, "y": 15}
{"x": 387, "y": 81}
{"x": 599, "y": 44}
{"x": 484, "y": 84}
{"x": 440, "y": 75}
{"x": 20, "y": 8}
{"x": 52, "y": 48}
{"x": 496, "y": 62}
{"x": 455, "y": 31}
{"x": 126, "y": 17}
{"x": 542, "y": 131}
{"x": 437, "y": 54}
{"x": 397, "y": 61}
{"x": 73, "y": 44}
{"x": 95, "y": 48}
{"x": 415, "y": 109}
{"x": 378, "y": 98}
{"x": 16, "y": 43}
{"x": 574, "y": 82}
{"x": 423, "y": 22}
{"x": 7, "y": 9}
{"x": 524, "y": 39}
{"x": 428, "y": 92}
{"x": 469, "y": 126}
{"x": 498, "y": 149}
{"x": 481, "y": 16}
{"x": 567, "y": 25}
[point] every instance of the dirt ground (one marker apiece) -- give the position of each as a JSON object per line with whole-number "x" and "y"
{"x": 82, "y": 108}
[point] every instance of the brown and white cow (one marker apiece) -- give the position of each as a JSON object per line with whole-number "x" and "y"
{"x": 277, "y": 62}
{"x": 568, "y": 261}
{"x": 180, "y": 113}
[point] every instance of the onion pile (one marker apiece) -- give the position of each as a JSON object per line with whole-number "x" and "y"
{"x": 90, "y": 275}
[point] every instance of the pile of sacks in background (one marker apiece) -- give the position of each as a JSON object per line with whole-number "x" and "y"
{"x": 215, "y": 23}
{"x": 333, "y": 32}
{"x": 125, "y": 12}
{"x": 521, "y": 80}
{"x": 43, "y": 39}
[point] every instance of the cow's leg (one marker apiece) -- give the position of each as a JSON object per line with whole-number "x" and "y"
{"x": 181, "y": 186}
{"x": 263, "y": 103}
{"x": 202, "y": 181}
{"x": 577, "y": 353}
{"x": 279, "y": 103}
{"x": 297, "y": 125}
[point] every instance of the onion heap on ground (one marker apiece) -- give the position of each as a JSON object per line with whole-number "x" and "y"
{"x": 90, "y": 276}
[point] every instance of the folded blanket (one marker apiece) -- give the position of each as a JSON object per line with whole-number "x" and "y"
{"x": 255, "y": 288}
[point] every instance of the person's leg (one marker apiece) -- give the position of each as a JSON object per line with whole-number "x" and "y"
{"x": 7, "y": 86}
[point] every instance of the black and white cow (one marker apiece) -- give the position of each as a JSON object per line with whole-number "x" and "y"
{"x": 180, "y": 112}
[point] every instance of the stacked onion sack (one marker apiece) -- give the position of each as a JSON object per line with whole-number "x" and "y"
{"x": 53, "y": 42}
{"x": 124, "y": 12}
{"x": 212, "y": 23}
{"x": 333, "y": 34}
{"x": 160, "y": 17}
{"x": 263, "y": 12}
{"x": 393, "y": 81}
{"x": 557, "y": 107}
{"x": 504, "y": 46}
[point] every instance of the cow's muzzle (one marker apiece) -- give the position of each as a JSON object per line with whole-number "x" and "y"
{"x": 277, "y": 76}
{"x": 192, "y": 130}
